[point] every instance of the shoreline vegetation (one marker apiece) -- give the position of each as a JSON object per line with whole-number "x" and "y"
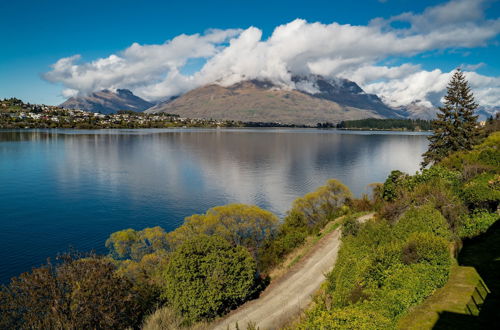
{"x": 14, "y": 113}
{"x": 399, "y": 262}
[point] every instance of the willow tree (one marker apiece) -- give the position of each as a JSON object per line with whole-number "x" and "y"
{"x": 456, "y": 125}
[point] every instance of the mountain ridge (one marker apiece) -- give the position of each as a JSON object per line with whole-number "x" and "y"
{"x": 107, "y": 101}
{"x": 315, "y": 99}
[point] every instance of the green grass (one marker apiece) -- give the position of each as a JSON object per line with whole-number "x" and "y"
{"x": 452, "y": 298}
{"x": 453, "y": 307}
{"x": 483, "y": 253}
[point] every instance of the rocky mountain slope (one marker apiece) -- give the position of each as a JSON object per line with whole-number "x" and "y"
{"x": 107, "y": 101}
{"x": 314, "y": 100}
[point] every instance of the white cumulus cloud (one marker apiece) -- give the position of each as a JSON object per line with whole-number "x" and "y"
{"x": 155, "y": 72}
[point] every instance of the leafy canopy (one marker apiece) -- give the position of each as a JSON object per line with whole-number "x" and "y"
{"x": 239, "y": 224}
{"x": 207, "y": 277}
{"x": 83, "y": 293}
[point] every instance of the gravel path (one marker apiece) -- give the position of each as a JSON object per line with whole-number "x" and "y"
{"x": 284, "y": 298}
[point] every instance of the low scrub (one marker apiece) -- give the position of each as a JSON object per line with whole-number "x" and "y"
{"x": 206, "y": 277}
{"x": 383, "y": 269}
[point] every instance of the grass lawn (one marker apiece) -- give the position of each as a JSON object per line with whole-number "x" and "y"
{"x": 452, "y": 298}
{"x": 452, "y": 306}
{"x": 483, "y": 253}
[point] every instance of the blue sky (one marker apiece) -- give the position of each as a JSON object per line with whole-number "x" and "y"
{"x": 36, "y": 34}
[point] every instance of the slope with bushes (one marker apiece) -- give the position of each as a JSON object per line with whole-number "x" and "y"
{"x": 388, "y": 266}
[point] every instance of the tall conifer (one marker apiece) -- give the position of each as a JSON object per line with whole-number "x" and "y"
{"x": 456, "y": 125}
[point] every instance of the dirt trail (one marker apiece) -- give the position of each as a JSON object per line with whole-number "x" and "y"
{"x": 292, "y": 293}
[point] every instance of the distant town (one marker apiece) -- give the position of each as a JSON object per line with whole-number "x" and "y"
{"x": 14, "y": 113}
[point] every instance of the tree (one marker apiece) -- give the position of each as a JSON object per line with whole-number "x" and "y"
{"x": 207, "y": 277}
{"x": 318, "y": 207}
{"x": 132, "y": 244}
{"x": 239, "y": 224}
{"x": 79, "y": 293}
{"x": 456, "y": 125}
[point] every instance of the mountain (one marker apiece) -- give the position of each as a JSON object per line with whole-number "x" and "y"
{"x": 345, "y": 92}
{"x": 107, "y": 101}
{"x": 315, "y": 100}
{"x": 420, "y": 110}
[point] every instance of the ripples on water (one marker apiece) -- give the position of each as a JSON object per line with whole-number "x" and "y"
{"x": 65, "y": 188}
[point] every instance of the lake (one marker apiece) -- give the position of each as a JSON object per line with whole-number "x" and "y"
{"x": 73, "y": 188}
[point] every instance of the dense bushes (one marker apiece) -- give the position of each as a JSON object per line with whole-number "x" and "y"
{"x": 483, "y": 191}
{"x": 350, "y": 318}
{"x": 477, "y": 223}
{"x": 308, "y": 215}
{"x": 383, "y": 269}
{"x": 387, "y": 266}
{"x": 316, "y": 208}
{"x": 206, "y": 277}
{"x": 79, "y": 293}
{"x": 241, "y": 225}
{"x": 132, "y": 244}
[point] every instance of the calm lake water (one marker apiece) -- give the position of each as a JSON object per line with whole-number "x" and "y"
{"x": 72, "y": 188}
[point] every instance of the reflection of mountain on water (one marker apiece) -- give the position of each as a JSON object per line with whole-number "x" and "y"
{"x": 206, "y": 168}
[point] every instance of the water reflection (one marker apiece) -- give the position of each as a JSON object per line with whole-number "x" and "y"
{"x": 61, "y": 188}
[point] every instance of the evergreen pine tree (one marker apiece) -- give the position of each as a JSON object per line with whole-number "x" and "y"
{"x": 456, "y": 125}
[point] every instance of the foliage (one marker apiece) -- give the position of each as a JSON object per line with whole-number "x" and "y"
{"x": 82, "y": 293}
{"x": 437, "y": 191}
{"x": 426, "y": 248}
{"x": 456, "y": 125}
{"x": 207, "y": 277}
{"x": 485, "y": 156}
{"x": 350, "y": 226}
{"x": 383, "y": 270}
{"x": 483, "y": 191}
{"x": 399, "y": 183}
{"x": 132, "y": 244}
{"x": 352, "y": 317}
{"x": 308, "y": 215}
{"x": 477, "y": 223}
{"x": 386, "y": 124}
{"x": 424, "y": 219}
{"x": 391, "y": 184}
{"x": 241, "y": 225}
{"x": 318, "y": 207}
{"x": 166, "y": 318}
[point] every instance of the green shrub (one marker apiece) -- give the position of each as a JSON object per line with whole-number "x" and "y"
{"x": 133, "y": 244}
{"x": 483, "y": 192}
{"x": 78, "y": 293}
{"x": 239, "y": 224}
{"x": 315, "y": 209}
{"x": 385, "y": 269}
{"x": 355, "y": 262}
{"x": 438, "y": 192}
{"x": 407, "y": 286}
{"x": 351, "y": 226}
{"x": 392, "y": 184}
{"x": 207, "y": 277}
{"x": 485, "y": 154}
{"x": 422, "y": 219}
{"x": 477, "y": 223}
{"x": 351, "y": 317}
{"x": 385, "y": 258}
{"x": 426, "y": 248}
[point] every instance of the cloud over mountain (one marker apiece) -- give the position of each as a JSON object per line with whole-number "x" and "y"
{"x": 355, "y": 52}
